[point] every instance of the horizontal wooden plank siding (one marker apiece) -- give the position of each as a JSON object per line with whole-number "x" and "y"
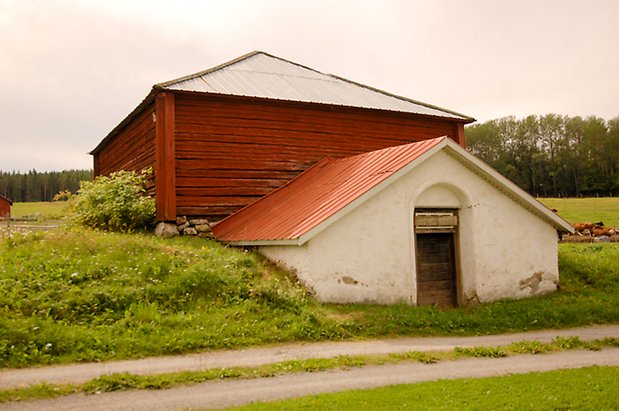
{"x": 133, "y": 148}
{"x": 230, "y": 151}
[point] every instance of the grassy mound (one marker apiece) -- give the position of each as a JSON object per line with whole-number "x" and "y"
{"x": 89, "y": 296}
{"x": 92, "y": 296}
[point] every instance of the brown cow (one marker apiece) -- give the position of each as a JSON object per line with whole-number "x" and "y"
{"x": 581, "y": 227}
{"x": 600, "y": 231}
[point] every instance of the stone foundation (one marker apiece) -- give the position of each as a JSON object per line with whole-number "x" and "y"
{"x": 196, "y": 227}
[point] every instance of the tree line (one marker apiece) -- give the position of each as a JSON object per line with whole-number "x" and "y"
{"x": 36, "y": 186}
{"x": 552, "y": 155}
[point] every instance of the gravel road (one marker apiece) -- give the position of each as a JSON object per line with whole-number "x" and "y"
{"x": 79, "y": 373}
{"x": 219, "y": 394}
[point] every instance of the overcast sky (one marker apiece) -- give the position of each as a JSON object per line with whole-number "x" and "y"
{"x": 73, "y": 69}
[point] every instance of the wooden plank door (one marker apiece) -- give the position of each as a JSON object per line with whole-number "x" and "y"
{"x": 436, "y": 270}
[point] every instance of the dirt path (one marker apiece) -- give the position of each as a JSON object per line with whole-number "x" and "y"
{"x": 79, "y": 373}
{"x": 219, "y": 394}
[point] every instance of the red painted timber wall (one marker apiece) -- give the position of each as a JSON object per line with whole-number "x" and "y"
{"x": 133, "y": 148}
{"x": 230, "y": 151}
{"x": 5, "y": 208}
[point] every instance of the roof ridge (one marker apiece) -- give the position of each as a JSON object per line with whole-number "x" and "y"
{"x": 231, "y": 63}
{"x": 209, "y": 70}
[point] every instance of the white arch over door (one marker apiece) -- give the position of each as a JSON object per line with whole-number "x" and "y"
{"x": 443, "y": 194}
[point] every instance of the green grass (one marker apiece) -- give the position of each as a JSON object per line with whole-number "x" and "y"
{"x": 592, "y": 209}
{"x": 593, "y": 388}
{"x": 89, "y": 296}
{"x": 40, "y": 210}
{"x": 589, "y": 268}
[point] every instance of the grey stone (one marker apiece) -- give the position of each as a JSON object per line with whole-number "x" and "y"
{"x": 181, "y": 220}
{"x": 183, "y": 226}
{"x": 190, "y": 231}
{"x": 203, "y": 228}
{"x": 166, "y": 230}
{"x": 199, "y": 221}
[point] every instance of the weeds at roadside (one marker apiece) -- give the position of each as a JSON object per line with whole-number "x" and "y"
{"x": 489, "y": 352}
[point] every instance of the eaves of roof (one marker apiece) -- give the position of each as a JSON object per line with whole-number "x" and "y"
{"x": 267, "y": 221}
{"x": 133, "y": 114}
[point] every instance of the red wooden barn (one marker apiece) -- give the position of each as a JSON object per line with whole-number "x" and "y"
{"x": 220, "y": 139}
{"x": 5, "y": 207}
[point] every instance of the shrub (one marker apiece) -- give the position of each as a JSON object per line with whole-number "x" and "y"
{"x": 63, "y": 195}
{"x": 118, "y": 202}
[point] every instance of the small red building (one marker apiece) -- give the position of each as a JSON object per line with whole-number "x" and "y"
{"x": 220, "y": 139}
{"x": 5, "y": 207}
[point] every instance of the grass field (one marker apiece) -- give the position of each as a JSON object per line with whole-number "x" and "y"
{"x": 89, "y": 296}
{"x": 587, "y": 388}
{"x": 41, "y": 210}
{"x": 593, "y": 209}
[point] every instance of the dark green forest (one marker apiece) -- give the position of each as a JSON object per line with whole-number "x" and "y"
{"x": 35, "y": 186}
{"x": 552, "y": 155}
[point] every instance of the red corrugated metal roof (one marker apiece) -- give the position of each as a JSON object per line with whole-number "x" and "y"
{"x": 317, "y": 194}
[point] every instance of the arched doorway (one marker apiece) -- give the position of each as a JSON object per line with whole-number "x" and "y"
{"x": 436, "y": 224}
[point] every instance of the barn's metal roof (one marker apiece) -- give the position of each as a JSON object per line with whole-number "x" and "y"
{"x": 259, "y": 74}
{"x": 295, "y": 212}
{"x": 262, "y": 75}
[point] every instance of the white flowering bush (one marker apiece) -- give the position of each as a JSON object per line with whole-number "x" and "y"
{"x": 118, "y": 202}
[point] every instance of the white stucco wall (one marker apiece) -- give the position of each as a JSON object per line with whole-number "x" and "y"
{"x": 364, "y": 257}
{"x": 368, "y": 255}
